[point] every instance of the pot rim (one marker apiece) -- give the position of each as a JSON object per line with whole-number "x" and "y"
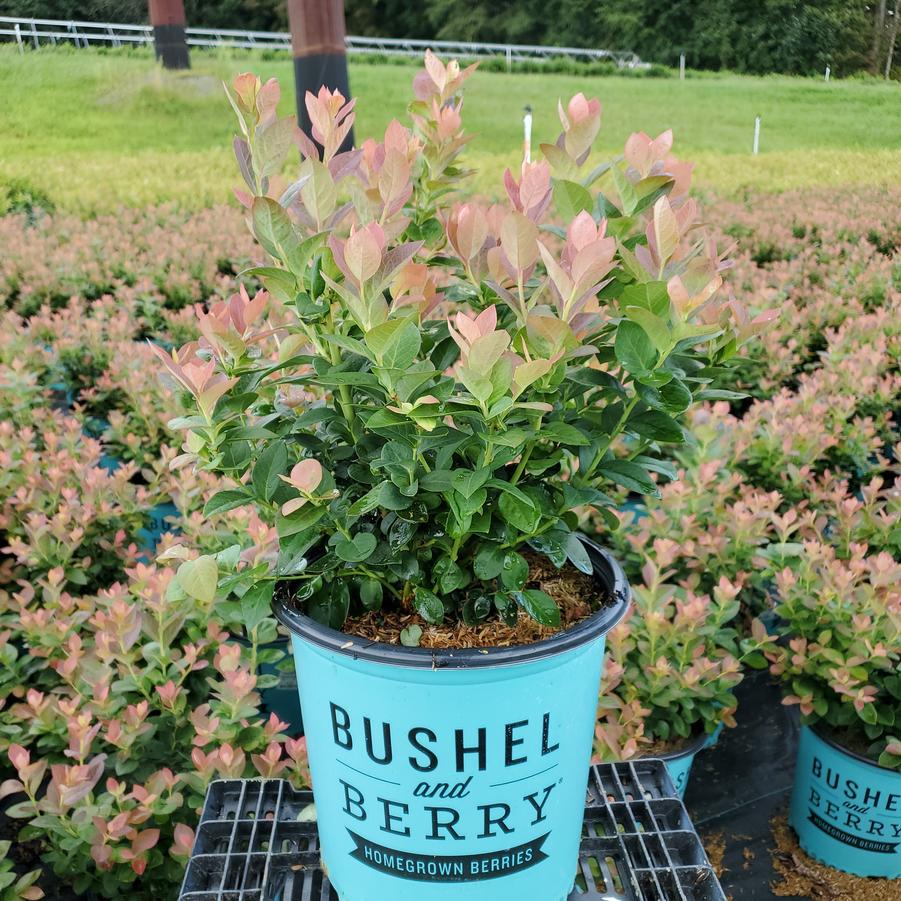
{"x": 696, "y": 744}
{"x": 598, "y": 624}
{"x": 818, "y": 731}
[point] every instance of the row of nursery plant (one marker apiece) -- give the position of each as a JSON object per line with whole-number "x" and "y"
{"x": 135, "y": 664}
{"x": 787, "y": 504}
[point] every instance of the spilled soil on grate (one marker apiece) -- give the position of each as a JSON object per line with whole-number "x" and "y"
{"x": 804, "y": 877}
{"x": 577, "y": 594}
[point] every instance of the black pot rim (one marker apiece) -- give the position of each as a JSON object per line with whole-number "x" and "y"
{"x": 818, "y": 730}
{"x": 696, "y": 744}
{"x": 596, "y": 625}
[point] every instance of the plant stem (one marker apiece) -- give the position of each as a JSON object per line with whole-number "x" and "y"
{"x": 523, "y": 538}
{"x": 520, "y": 467}
{"x": 345, "y": 400}
{"x": 627, "y": 411}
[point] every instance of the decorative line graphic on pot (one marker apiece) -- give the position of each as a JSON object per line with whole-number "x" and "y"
{"x": 452, "y": 867}
{"x": 837, "y": 803}
{"x": 427, "y": 786}
{"x": 853, "y": 840}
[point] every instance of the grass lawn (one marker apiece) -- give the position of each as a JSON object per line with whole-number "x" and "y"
{"x": 98, "y": 129}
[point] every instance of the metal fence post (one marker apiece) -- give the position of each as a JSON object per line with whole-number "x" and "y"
{"x": 19, "y": 38}
{"x": 34, "y": 34}
{"x": 509, "y": 59}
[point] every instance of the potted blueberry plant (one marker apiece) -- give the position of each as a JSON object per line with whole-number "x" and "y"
{"x": 425, "y": 400}
{"x": 839, "y": 659}
{"x": 672, "y": 666}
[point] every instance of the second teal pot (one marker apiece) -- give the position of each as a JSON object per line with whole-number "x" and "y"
{"x": 439, "y": 773}
{"x": 679, "y": 763}
{"x": 846, "y": 809}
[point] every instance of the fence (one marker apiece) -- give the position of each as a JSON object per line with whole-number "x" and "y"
{"x": 37, "y": 32}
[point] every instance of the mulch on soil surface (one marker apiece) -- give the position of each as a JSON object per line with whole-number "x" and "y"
{"x": 805, "y": 877}
{"x": 577, "y": 594}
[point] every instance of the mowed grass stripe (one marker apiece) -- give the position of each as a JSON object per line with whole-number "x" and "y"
{"x": 98, "y": 129}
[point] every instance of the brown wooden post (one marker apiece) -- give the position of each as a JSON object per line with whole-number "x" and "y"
{"x": 892, "y": 40}
{"x": 320, "y": 54}
{"x": 878, "y": 37}
{"x": 169, "y": 40}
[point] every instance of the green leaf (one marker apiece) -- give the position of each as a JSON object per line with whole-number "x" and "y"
{"x": 357, "y": 549}
{"x": 719, "y": 394}
{"x": 521, "y": 516}
{"x": 571, "y": 198}
{"x": 651, "y": 188}
{"x": 564, "y": 433}
{"x": 467, "y": 482}
{"x": 330, "y": 606}
{"x": 439, "y": 480}
{"x": 512, "y": 490}
{"x": 666, "y": 229}
{"x": 278, "y": 282}
{"x": 650, "y": 296}
{"x": 578, "y": 554}
{"x": 539, "y": 606}
{"x": 626, "y": 191}
{"x": 395, "y": 343}
{"x": 868, "y": 714}
{"x": 676, "y": 396}
{"x": 634, "y": 349}
{"x": 664, "y": 467}
{"x": 656, "y": 426}
{"x": 273, "y": 140}
{"x": 629, "y": 475}
{"x": 391, "y": 499}
{"x": 199, "y": 578}
{"x": 267, "y": 469}
{"x": 488, "y": 562}
{"x": 450, "y": 576}
{"x": 349, "y": 344}
{"x": 226, "y": 500}
{"x": 273, "y": 229}
{"x": 655, "y": 327}
{"x": 428, "y": 606}
{"x": 256, "y": 604}
{"x": 371, "y": 593}
{"x": 552, "y": 544}
{"x": 411, "y": 636}
{"x": 368, "y": 502}
{"x": 515, "y": 571}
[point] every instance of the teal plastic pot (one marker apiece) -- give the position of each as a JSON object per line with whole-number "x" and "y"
{"x": 846, "y": 809}
{"x": 679, "y": 763}
{"x": 452, "y": 774}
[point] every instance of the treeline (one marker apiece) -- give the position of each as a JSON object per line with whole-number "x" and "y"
{"x": 758, "y": 36}
{"x": 251, "y": 15}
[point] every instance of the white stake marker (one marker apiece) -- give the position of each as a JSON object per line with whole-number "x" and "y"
{"x": 828, "y": 72}
{"x": 681, "y": 67}
{"x": 756, "y": 135}
{"x": 527, "y": 135}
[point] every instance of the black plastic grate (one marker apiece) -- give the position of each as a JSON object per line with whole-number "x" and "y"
{"x": 255, "y": 842}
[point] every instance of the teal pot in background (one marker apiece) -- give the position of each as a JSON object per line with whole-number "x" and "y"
{"x": 449, "y": 774}
{"x": 281, "y": 698}
{"x": 846, "y": 809}
{"x": 679, "y": 763}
